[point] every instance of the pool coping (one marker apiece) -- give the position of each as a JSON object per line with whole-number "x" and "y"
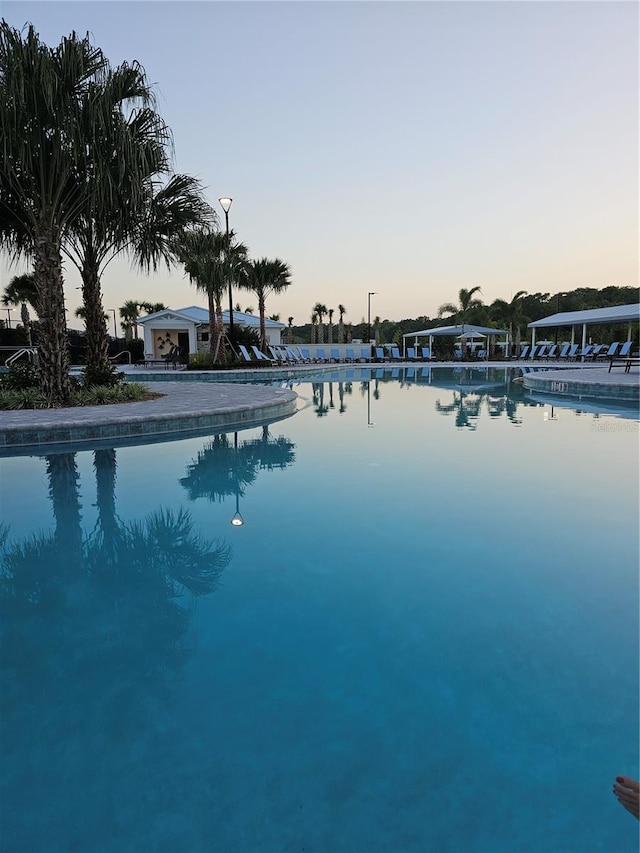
{"x": 181, "y": 410}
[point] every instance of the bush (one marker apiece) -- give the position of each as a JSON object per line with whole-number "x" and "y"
{"x": 21, "y": 376}
{"x": 24, "y": 398}
{"x": 200, "y": 361}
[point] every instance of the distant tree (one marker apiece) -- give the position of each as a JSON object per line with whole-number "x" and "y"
{"x": 341, "y": 311}
{"x": 320, "y": 310}
{"x": 330, "y": 336}
{"x": 510, "y": 313}
{"x": 466, "y": 303}
{"x": 22, "y": 290}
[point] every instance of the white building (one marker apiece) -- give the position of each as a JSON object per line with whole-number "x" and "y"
{"x": 188, "y": 328}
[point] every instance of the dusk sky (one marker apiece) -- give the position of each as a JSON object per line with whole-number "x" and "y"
{"x": 408, "y": 148}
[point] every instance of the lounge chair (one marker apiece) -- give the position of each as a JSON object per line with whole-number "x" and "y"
{"x": 552, "y": 352}
{"x": 625, "y": 350}
{"x": 533, "y": 352}
{"x": 613, "y": 349}
{"x": 320, "y": 356}
{"x": 573, "y": 352}
{"x": 260, "y": 355}
{"x": 564, "y": 352}
{"x": 365, "y": 353}
{"x": 481, "y": 354}
{"x": 244, "y": 353}
{"x": 524, "y": 352}
{"x": 395, "y": 354}
{"x": 335, "y": 354}
{"x": 426, "y": 353}
{"x": 411, "y": 353}
{"x": 350, "y": 354}
{"x": 306, "y": 355}
{"x": 586, "y": 352}
{"x": 380, "y": 354}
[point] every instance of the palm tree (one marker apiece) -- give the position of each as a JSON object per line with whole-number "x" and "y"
{"x": 330, "y": 335}
{"x": 466, "y": 303}
{"x": 43, "y": 132}
{"x": 262, "y": 278}
{"x": 290, "y": 330}
{"x": 152, "y": 307}
{"x": 314, "y": 327}
{"x": 22, "y": 291}
{"x": 511, "y": 313}
{"x": 320, "y": 310}
{"x": 341, "y": 311}
{"x": 207, "y": 261}
{"x": 129, "y": 315}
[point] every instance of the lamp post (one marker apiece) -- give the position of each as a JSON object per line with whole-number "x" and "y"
{"x": 8, "y": 310}
{"x": 369, "y": 295}
{"x": 115, "y": 326}
{"x": 225, "y": 204}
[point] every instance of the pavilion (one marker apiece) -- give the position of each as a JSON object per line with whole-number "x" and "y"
{"x": 627, "y": 314}
{"x": 466, "y": 329}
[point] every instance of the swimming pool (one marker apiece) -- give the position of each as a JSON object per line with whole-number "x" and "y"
{"x": 423, "y": 637}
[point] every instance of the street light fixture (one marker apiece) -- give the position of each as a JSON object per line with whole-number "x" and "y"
{"x": 115, "y": 327}
{"x": 225, "y": 204}
{"x": 558, "y": 295}
{"x": 369, "y": 295}
{"x": 237, "y": 520}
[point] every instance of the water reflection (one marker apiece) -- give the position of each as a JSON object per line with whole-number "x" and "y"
{"x": 93, "y": 636}
{"x": 225, "y": 468}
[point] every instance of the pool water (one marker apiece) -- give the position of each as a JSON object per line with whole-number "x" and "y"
{"x": 423, "y": 637}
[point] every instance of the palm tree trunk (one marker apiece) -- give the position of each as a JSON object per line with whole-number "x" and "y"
{"x": 213, "y": 328}
{"x": 222, "y": 350}
{"x": 263, "y": 327}
{"x": 53, "y": 354}
{"x": 340, "y": 331}
{"x": 24, "y": 316}
{"x": 98, "y": 370}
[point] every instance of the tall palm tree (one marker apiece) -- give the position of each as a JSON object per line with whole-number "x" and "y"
{"x": 42, "y": 187}
{"x": 314, "y": 328}
{"x": 320, "y": 311}
{"x": 466, "y": 303}
{"x": 264, "y": 277}
{"x": 209, "y": 262}
{"x": 511, "y": 313}
{"x": 290, "y": 330}
{"x": 129, "y": 315}
{"x": 22, "y": 291}
{"x": 330, "y": 334}
{"x": 341, "y": 311}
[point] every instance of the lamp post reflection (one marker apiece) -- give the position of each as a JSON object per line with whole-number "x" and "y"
{"x": 370, "y": 423}
{"x": 236, "y": 520}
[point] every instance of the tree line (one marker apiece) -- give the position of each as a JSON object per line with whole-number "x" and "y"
{"x": 512, "y": 315}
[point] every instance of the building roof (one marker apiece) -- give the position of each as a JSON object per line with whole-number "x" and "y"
{"x": 593, "y": 317}
{"x": 455, "y": 331}
{"x": 197, "y": 314}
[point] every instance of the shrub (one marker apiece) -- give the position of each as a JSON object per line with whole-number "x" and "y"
{"x": 21, "y": 376}
{"x": 24, "y": 398}
{"x": 200, "y": 361}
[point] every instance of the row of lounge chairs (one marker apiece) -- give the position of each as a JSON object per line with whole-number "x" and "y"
{"x": 301, "y": 355}
{"x": 574, "y": 352}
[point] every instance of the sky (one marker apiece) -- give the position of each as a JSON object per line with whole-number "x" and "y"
{"x": 406, "y": 148}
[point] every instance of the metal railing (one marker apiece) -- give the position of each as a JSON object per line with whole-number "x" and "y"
{"x": 124, "y": 352}
{"x": 31, "y": 353}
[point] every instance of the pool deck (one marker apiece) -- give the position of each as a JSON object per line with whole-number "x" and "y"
{"x": 188, "y": 406}
{"x": 184, "y": 408}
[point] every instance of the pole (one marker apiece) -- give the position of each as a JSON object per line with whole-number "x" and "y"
{"x": 115, "y": 327}
{"x": 8, "y": 310}
{"x": 226, "y": 221}
{"x": 369, "y": 295}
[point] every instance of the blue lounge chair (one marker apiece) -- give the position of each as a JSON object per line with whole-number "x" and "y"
{"x": 320, "y": 356}
{"x": 306, "y": 355}
{"x": 365, "y": 353}
{"x": 613, "y": 349}
{"x": 335, "y": 354}
{"x": 260, "y": 355}
{"x": 395, "y": 354}
{"x": 524, "y": 352}
{"x": 564, "y": 352}
{"x": 244, "y": 353}
{"x": 481, "y": 354}
{"x": 533, "y": 353}
{"x": 411, "y": 353}
{"x": 350, "y": 354}
{"x": 625, "y": 350}
{"x": 380, "y": 354}
{"x": 585, "y": 352}
{"x": 426, "y": 353}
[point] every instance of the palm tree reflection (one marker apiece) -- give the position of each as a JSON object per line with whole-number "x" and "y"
{"x": 94, "y": 634}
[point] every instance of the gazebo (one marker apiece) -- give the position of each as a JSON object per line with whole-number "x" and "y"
{"x": 626, "y": 314}
{"x": 466, "y": 329}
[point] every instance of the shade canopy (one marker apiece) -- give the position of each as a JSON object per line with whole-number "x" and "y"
{"x": 470, "y": 335}
{"x": 456, "y": 332}
{"x": 592, "y": 317}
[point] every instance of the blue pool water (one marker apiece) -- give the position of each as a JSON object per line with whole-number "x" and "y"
{"x": 423, "y": 638}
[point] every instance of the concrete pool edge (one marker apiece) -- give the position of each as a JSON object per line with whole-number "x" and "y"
{"x": 183, "y": 409}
